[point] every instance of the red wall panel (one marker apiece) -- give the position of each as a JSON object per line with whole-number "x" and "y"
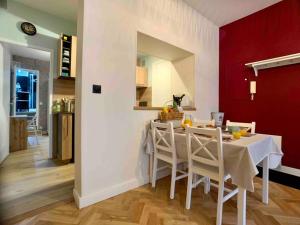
{"x": 272, "y": 32}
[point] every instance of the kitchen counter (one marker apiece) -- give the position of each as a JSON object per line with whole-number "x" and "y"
{"x": 185, "y": 108}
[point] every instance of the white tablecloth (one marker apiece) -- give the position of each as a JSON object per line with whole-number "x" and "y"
{"x": 240, "y": 156}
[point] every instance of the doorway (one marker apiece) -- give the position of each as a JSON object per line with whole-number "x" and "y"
{"x": 28, "y": 174}
{"x": 25, "y": 101}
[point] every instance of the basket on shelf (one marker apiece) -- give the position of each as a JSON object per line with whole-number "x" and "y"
{"x": 165, "y": 116}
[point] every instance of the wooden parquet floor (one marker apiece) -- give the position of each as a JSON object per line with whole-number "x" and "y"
{"x": 29, "y": 180}
{"x": 147, "y": 206}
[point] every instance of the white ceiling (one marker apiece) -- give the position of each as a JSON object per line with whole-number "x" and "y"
{"x": 222, "y": 12}
{"x": 28, "y": 52}
{"x": 66, "y": 9}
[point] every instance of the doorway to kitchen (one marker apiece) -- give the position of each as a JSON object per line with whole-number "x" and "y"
{"x": 29, "y": 177}
{"x": 25, "y": 101}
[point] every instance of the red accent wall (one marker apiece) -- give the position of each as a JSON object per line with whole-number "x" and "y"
{"x": 272, "y": 32}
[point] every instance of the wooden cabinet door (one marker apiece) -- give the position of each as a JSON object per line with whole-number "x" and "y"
{"x": 65, "y": 136}
{"x": 18, "y": 134}
{"x": 141, "y": 77}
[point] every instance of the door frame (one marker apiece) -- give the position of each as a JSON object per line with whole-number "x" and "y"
{"x": 50, "y": 84}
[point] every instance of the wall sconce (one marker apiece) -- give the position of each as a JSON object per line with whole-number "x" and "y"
{"x": 252, "y": 89}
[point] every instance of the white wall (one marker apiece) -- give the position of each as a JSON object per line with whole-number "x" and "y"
{"x": 183, "y": 79}
{"x": 161, "y": 77}
{"x": 49, "y": 27}
{"x": 168, "y": 78}
{"x": 5, "y": 59}
{"x": 109, "y": 142}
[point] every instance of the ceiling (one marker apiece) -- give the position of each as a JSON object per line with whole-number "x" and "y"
{"x": 222, "y": 12}
{"x": 28, "y": 52}
{"x": 66, "y": 9}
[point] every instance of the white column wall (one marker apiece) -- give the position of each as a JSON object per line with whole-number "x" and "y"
{"x": 112, "y": 159}
{"x": 5, "y": 59}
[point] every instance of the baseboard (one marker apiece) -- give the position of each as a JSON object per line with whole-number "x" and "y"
{"x": 288, "y": 170}
{"x": 4, "y": 158}
{"x": 281, "y": 177}
{"x": 76, "y": 197}
{"x": 84, "y": 201}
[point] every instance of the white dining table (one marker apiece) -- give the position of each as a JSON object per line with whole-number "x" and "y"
{"x": 240, "y": 160}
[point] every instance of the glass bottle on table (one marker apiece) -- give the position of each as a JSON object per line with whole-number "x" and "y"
{"x": 188, "y": 120}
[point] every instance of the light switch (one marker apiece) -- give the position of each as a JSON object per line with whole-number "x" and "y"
{"x": 96, "y": 89}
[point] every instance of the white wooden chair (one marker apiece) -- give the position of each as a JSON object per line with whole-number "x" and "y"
{"x": 32, "y": 127}
{"x": 249, "y": 126}
{"x": 164, "y": 150}
{"x": 203, "y": 162}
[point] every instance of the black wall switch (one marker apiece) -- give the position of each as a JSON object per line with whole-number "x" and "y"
{"x": 96, "y": 89}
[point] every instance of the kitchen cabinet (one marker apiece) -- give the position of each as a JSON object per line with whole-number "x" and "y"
{"x": 141, "y": 77}
{"x": 67, "y": 53}
{"x": 18, "y": 133}
{"x": 63, "y": 136}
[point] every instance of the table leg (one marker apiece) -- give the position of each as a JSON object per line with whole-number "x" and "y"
{"x": 150, "y": 167}
{"x": 265, "y": 189}
{"x": 241, "y": 206}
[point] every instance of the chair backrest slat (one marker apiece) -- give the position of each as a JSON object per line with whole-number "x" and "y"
{"x": 163, "y": 138}
{"x": 199, "y": 142}
{"x": 163, "y": 148}
{"x": 249, "y": 126}
{"x": 205, "y": 161}
{"x": 33, "y": 121}
{"x": 202, "y": 146}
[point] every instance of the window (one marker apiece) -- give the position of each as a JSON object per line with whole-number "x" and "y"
{"x": 26, "y": 88}
{"x": 162, "y": 71}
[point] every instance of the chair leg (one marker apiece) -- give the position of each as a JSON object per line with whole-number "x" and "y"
{"x": 151, "y": 158}
{"x": 207, "y": 185}
{"x": 37, "y": 140}
{"x": 189, "y": 191}
{"x": 173, "y": 180}
{"x": 36, "y": 136}
{"x": 154, "y": 171}
{"x": 220, "y": 203}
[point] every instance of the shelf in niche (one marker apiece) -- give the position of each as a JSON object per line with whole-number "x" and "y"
{"x": 141, "y": 86}
{"x": 65, "y": 78}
